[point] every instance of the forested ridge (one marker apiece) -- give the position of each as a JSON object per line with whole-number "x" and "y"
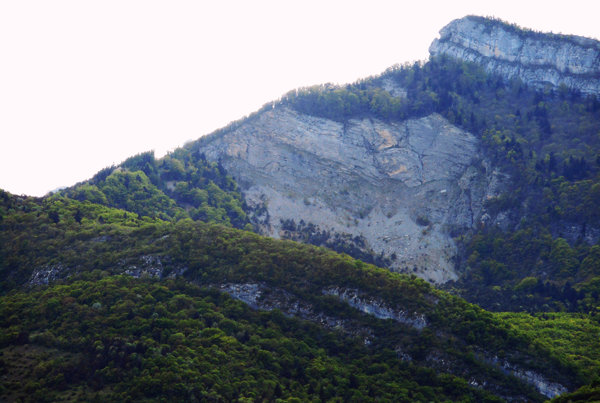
{"x": 95, "y": 336}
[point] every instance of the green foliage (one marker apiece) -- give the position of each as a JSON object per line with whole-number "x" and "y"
{"x": 460, "y": 334}
{"x": 347, "y": 102}
{"x": 33, "y": 232}
{"x": 355, "y": 246}
{"x": 529, "y": 270}
{"x": 571, "y": 337}
{"x": 121, "y": 339}
{"x": 203, "y": 188}
{"x": 133, "y": 191}
{"x": 589, "y": 393}
{"x": 180, "y": 185}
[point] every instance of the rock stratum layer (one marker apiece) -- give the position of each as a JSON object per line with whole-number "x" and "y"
{"x": 539, "y": 60}
{"x": 398, "y": 190}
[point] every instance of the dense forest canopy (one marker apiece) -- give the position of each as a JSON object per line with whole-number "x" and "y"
{"x": 114, "y": 330}
{"x": 182, "y": 184}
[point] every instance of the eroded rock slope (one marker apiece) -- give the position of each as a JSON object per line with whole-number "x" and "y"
{"x": 397, "y": 190}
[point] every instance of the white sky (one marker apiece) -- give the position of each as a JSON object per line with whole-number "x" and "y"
{"x": 85, "y": 84}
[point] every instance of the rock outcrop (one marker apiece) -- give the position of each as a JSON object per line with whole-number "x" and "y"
{"x": 401, "y": 188}
{"x": 377, "y": 308}
{"x": 539, "y": 60}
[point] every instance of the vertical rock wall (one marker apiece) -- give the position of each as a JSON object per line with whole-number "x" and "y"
{"x": 540, "y": 60}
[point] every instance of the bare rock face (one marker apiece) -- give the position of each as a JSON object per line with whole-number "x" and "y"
{"x": 401, "y": 188}
{"x": 377, "y": 308}
{"x": 540, "y": 60}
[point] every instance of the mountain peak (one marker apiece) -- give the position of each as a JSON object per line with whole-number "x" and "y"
{"x": 541, "y": 60}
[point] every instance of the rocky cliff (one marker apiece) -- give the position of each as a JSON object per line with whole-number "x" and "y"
{"x": 540, "y": 60}
{"x": 394, "y": 190}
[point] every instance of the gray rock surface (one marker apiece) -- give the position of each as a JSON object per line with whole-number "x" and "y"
{"x": 543, "y": 385}
{"x": 151, "y": 266}
{"x": 44, "y": 275}
{"x": 540, "y": 60}
{"x": 375, "y": 307}
{"x": 402, "y": 186}
{"x": 260, "y": 296}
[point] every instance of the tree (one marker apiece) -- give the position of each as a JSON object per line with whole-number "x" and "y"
{"x": 78, "y": 216}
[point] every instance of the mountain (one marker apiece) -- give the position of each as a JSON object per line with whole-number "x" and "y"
{"x": 476, "y": 172}
{"x": 401, "y": 169}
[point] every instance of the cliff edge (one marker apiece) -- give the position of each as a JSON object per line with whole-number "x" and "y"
{"x": 539, "y": 60}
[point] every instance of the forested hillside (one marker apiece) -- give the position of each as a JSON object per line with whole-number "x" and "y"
{"x": 116, "y": 329}
{"x": 179, "y": 185}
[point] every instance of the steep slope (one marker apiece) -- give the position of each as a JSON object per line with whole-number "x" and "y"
{"x": 540, "y": 60}
{"x": 413, "y": 325}
{"x": 531, "y": 245}
{"x": 399, "y": 187}
{"x": 370, "y": 169}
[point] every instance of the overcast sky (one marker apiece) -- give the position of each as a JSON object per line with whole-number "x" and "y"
{"x": 85, "y": 84}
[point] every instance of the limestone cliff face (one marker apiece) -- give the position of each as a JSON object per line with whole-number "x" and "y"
{"x": 400, "y": 187}
{"x": 539, "y": 60}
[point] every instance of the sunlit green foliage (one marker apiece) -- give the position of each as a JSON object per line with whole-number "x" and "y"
{"x": 34, "y": 232}
{"x": 183, "y": 184}
{"x": 572, "y": 337}
{"x": 589, "y": 393}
